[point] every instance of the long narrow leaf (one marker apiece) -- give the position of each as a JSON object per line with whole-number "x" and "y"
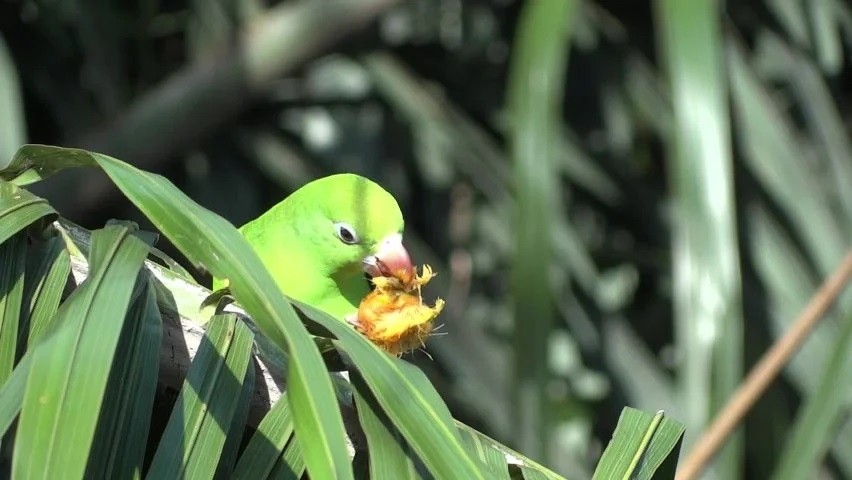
{"x": 122, "y": 436}
{"x": 388, "y": 456}
{"x": 12, "y": 393}
{"x": 267, "y": 445}
{"x": 19, "y": 209}
{"x": 69, "y": 373}
{"x": 292, "y": 464}
{"x": 488, "y": 454}
{"x": 783, "y": 165}
{"x": 46, "y": 278}
{"x": 535, "y": 89}
{"x": 826, "y": 125}
{"x": 784, "y": 273}
{"x": 531, "y": 473}
{"x": 13, "y": 125}
{"x": 234, "y": 435}
{"x": 816, "y": 422}
{"x": 12, "y": 268}
{"x": 511, "y": 457}
{"x": 643, "y": 447}
{"x": 707, "y": 284}
{"x": 195, "y": 434}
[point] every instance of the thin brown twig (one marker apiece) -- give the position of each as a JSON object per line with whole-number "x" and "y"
{"x": 764, "y": 372}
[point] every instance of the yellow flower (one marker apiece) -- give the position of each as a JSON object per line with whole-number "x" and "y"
{"x": 393, "y": 315}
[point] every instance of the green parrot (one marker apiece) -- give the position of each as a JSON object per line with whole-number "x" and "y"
{"x": 318, "y": 242}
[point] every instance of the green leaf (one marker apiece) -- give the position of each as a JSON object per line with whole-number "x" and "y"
{"x": 122, "y": 436}
{"x": 13, "y": 124}
{"x": 195, "y": 434}
{"x": 787, "y": 278}
{"x": 47, "y": 274}
{"x": 234, "y": 438}
{"x": 292, "y": 464}
{"x": 783, "y": 165}
{"x": 33, "y": 163}
{"x": 209, "y": 240}
{"x": 19, "y": 209}
{"x": 267, "y": 445}
{"x": 817, "y": 420}
{"x": 643, "y": 447}
{"x": 388, "y": 455}
{"x": 631, "y": 362}
{"x": 792, "y": 17}
{"x": 489, "y": 455}
{"x": 172, "y": 265}
{"x": 706, "y": 276}
{"x": 535, "y": 90}
{"x": 486, "y": 446}
{"x": 826, "y": 32}
{"x": 825, "y": 124}
{"x": 12, "y": 393}
{"x": 12, "y": 268}
{"x": 796, "y": 177}
{"x": 408, "y": 399}
{"x": 70, "y": 368}
{"x": 531, "y": 473}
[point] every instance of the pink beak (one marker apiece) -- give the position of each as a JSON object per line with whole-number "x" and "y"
{"x": 390, "y": 257}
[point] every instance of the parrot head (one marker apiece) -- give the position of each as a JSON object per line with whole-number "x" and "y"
{"x": 355, "y": 226}
{"x": 319, "y": 241}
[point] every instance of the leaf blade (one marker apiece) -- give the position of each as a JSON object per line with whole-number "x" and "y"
{"x": 535, "y": 90}
{"x": 121, "y": 438}
{"x": 640, "y": 445}
{"x": 388, "y": 456}
{"x": 19, "y": 209}
{"x": 706, "y": 276}
{"x": 12, "y": 276}
{"x": 46, "y": 285}
{"x": 206, "y": 404}
{"x": 69, "y": 373}
{"x": 268, "y": 443}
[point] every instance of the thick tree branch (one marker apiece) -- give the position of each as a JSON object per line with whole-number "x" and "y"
{"x": 178, "y": 113}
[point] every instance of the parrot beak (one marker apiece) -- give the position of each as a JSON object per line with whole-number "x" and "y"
{"x": 390, "y": 258}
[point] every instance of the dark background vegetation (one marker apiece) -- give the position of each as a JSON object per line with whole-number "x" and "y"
{"x": 414, "y": 95}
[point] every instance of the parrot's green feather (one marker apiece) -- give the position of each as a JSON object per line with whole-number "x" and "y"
{"x": 298, "y": 241}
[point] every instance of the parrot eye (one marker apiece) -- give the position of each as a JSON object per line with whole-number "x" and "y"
{"x": 346, "y": 233}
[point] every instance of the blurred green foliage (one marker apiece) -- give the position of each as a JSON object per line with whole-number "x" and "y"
{"x": 676, "y": 119}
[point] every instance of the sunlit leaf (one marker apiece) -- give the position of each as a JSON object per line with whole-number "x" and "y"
{"x": 535, "y": 91}
{"x": 706, "y": 264}
{"x": 388, "y": 456}
{"x": 122, "y": 435}
{"x": 195, "y": 435}
{"x": 69, "y": 371}
{"x": 643, "y": 447}
{"x": 266, "y": 446}
{"x": 19, "y": 209}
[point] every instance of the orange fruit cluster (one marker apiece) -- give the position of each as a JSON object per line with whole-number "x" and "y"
{"x": 393, "y": 315}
